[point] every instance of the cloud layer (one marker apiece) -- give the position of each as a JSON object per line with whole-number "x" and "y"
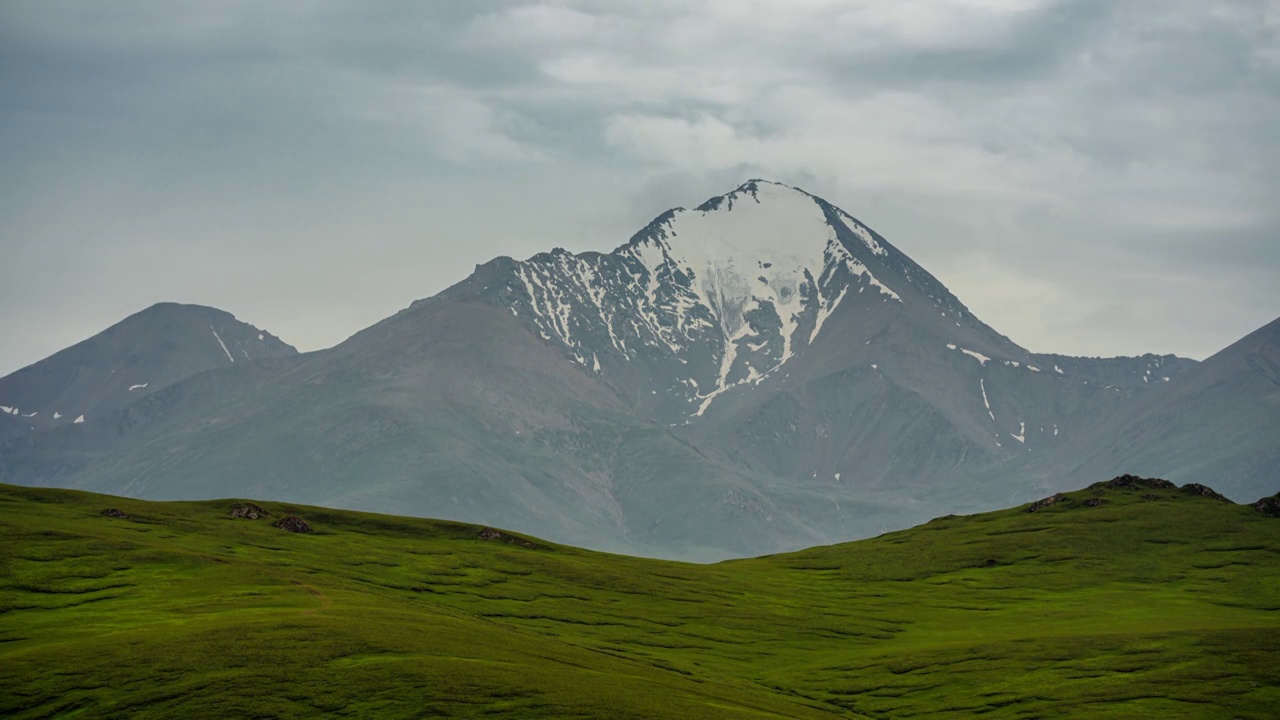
{"x": 1089, "y": 176}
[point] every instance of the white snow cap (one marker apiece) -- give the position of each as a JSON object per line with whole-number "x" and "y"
{"x": 760, "y": 243}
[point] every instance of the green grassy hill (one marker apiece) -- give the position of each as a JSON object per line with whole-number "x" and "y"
{"x": 1153, "y": 603}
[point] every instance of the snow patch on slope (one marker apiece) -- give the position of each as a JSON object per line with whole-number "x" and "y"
{"x": 863, "y": 234}
{"x": 982, "y": 359}
{"x": 221, "y": 344}
{"x": 824, "y": 312}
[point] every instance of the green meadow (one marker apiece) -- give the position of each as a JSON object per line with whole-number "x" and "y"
{"x": 1153, "y": 603}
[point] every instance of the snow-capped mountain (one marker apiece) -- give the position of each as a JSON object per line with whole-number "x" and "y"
{"x": 758, "y": 373}
{"x": 772, "y": 324}
{"x": 749, "y": 286}
{"x": 707, "y": 300}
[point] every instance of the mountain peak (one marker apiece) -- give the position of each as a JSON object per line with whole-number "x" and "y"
{"x": 789, "y": 209}
{"x": 709, "y": 299}
{"x": 754, "y": 188}
{"x": 171, "y": 307}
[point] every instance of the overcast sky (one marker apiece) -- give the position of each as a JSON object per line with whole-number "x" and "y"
{"x": 1096, "y": 177}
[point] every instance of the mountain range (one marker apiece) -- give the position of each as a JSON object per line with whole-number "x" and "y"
{"x": 759, "y": 373}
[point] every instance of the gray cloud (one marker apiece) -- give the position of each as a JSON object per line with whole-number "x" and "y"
{"x": 1089, "y": 176}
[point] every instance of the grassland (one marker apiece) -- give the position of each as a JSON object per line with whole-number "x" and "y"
{"x": 1153, "y": 603}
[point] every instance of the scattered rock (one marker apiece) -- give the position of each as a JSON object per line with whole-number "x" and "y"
{"x": 112, "y": 512}
{"x": 491, "y": 534}
{"x": 1093, "y": 502}
{"x": 1151, "y": 496}
{"x": 1269, "y": 506}
{"x": 990, "y": 563}
{"x": 1134, "y": 482}
{"x": 1047, "y": 502}
{"x": 248, "y": 511}
{"x": 1202, "y": 491}
{"x": 293, "y": 524}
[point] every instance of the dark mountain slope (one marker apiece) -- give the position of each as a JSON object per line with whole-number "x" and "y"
{"x": 11, "y": 426}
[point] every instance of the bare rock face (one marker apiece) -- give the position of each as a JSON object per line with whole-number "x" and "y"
{"x": 1202, "y": 491}
{"x": 293, "y": 524}
{"x": 1134, "y": 482}
{"x": 247, "y": 511}
{"x": 1047, "y": 502}
{"x": 1269, "y": 506}
{"x": 491, "y": 534}
{"x": 114, "y": 513}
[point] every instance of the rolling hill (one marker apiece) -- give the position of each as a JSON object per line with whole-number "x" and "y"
{"x": 1131, "y": 598}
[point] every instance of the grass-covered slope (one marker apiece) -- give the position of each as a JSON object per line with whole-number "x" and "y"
{"x": 1152, "y": 603}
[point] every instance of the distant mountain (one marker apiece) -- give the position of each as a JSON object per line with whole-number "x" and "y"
{"x": 759, "y": 373}
{"x": 138, "y": 356}
{"x": 1218, "y": 422}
